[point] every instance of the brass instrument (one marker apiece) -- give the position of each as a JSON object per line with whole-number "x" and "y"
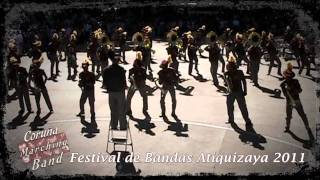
{"x": 99, "y": 34}
{"x": 173, "y": 39}
{"x": 211, "y": 37}
{"x": 292, "y": 101}
{"x": 229, "y": 83}
{"x": 138, "y": 38}
{"x": 254, "y": 39}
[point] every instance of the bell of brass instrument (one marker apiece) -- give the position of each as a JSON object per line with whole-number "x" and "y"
{"x": 174, "y": 39}
{"x": 254, "y": 39}
{"x": 138, "y": 38}
{"x": 211, "y": 37}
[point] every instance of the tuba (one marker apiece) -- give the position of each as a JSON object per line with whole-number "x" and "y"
{"x": 254, "y": 39}
{"x": 211, "y": 37}
{"x": 174, "y": 39}
{"x": 99, "y": 34}
{"x": 138, "y": 38}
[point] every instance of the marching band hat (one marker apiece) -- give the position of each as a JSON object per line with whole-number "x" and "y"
{"x": 252, "y": 29}
{"x": 120, "y": 29}
{"x": 37, "y": 43}
{"x": 13, "y": 60}
{"x": 75, "y": 32}
{"x": 11, "y": 45}
{"x": 12, "y": 40}
{"x": 239, "y": 36}
{"x": 55, "y": 36}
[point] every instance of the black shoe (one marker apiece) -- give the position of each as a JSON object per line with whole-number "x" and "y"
{"x": 162, "y": 115}
{"x": 69, "y": 77}
{"x": 129, "y": 113}
{"x": 286, "y": 130}
{"x": 230, "y": 122}
{"x": 30, "y": 111}
{"x": 80, "y": 114}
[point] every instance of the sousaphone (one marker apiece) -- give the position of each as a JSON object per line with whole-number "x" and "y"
{"x": 254, "y": 39}
{"x": 137, "y": 38}
{"x": 211, "y": 37}
{"x": 173, "y": 38}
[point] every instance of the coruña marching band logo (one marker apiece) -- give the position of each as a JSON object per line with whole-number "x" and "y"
{"x": 43, "y": 148}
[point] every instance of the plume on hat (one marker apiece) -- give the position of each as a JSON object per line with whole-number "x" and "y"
{"x": 13, "y": 60}
{"x": 37, "y": 43}
{"x": 55, "y": 36}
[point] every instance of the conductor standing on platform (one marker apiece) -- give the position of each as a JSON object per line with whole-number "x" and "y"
{"x": 114, "y": 80}
{"x": 237, "y": 87}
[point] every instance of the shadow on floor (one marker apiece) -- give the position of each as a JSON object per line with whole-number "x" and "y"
{"x": 125, "y": 166}
{"x": 177, "y": 127}
{"x": 38, "y": 122}
{"x": 249, "y": 136}
{"x": 19, "y": 120}
{"x": 90, "y": 129}
{"x": 144, "y": 125}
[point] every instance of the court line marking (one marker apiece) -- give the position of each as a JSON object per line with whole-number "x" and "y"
{"x": 191, "y": 123}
